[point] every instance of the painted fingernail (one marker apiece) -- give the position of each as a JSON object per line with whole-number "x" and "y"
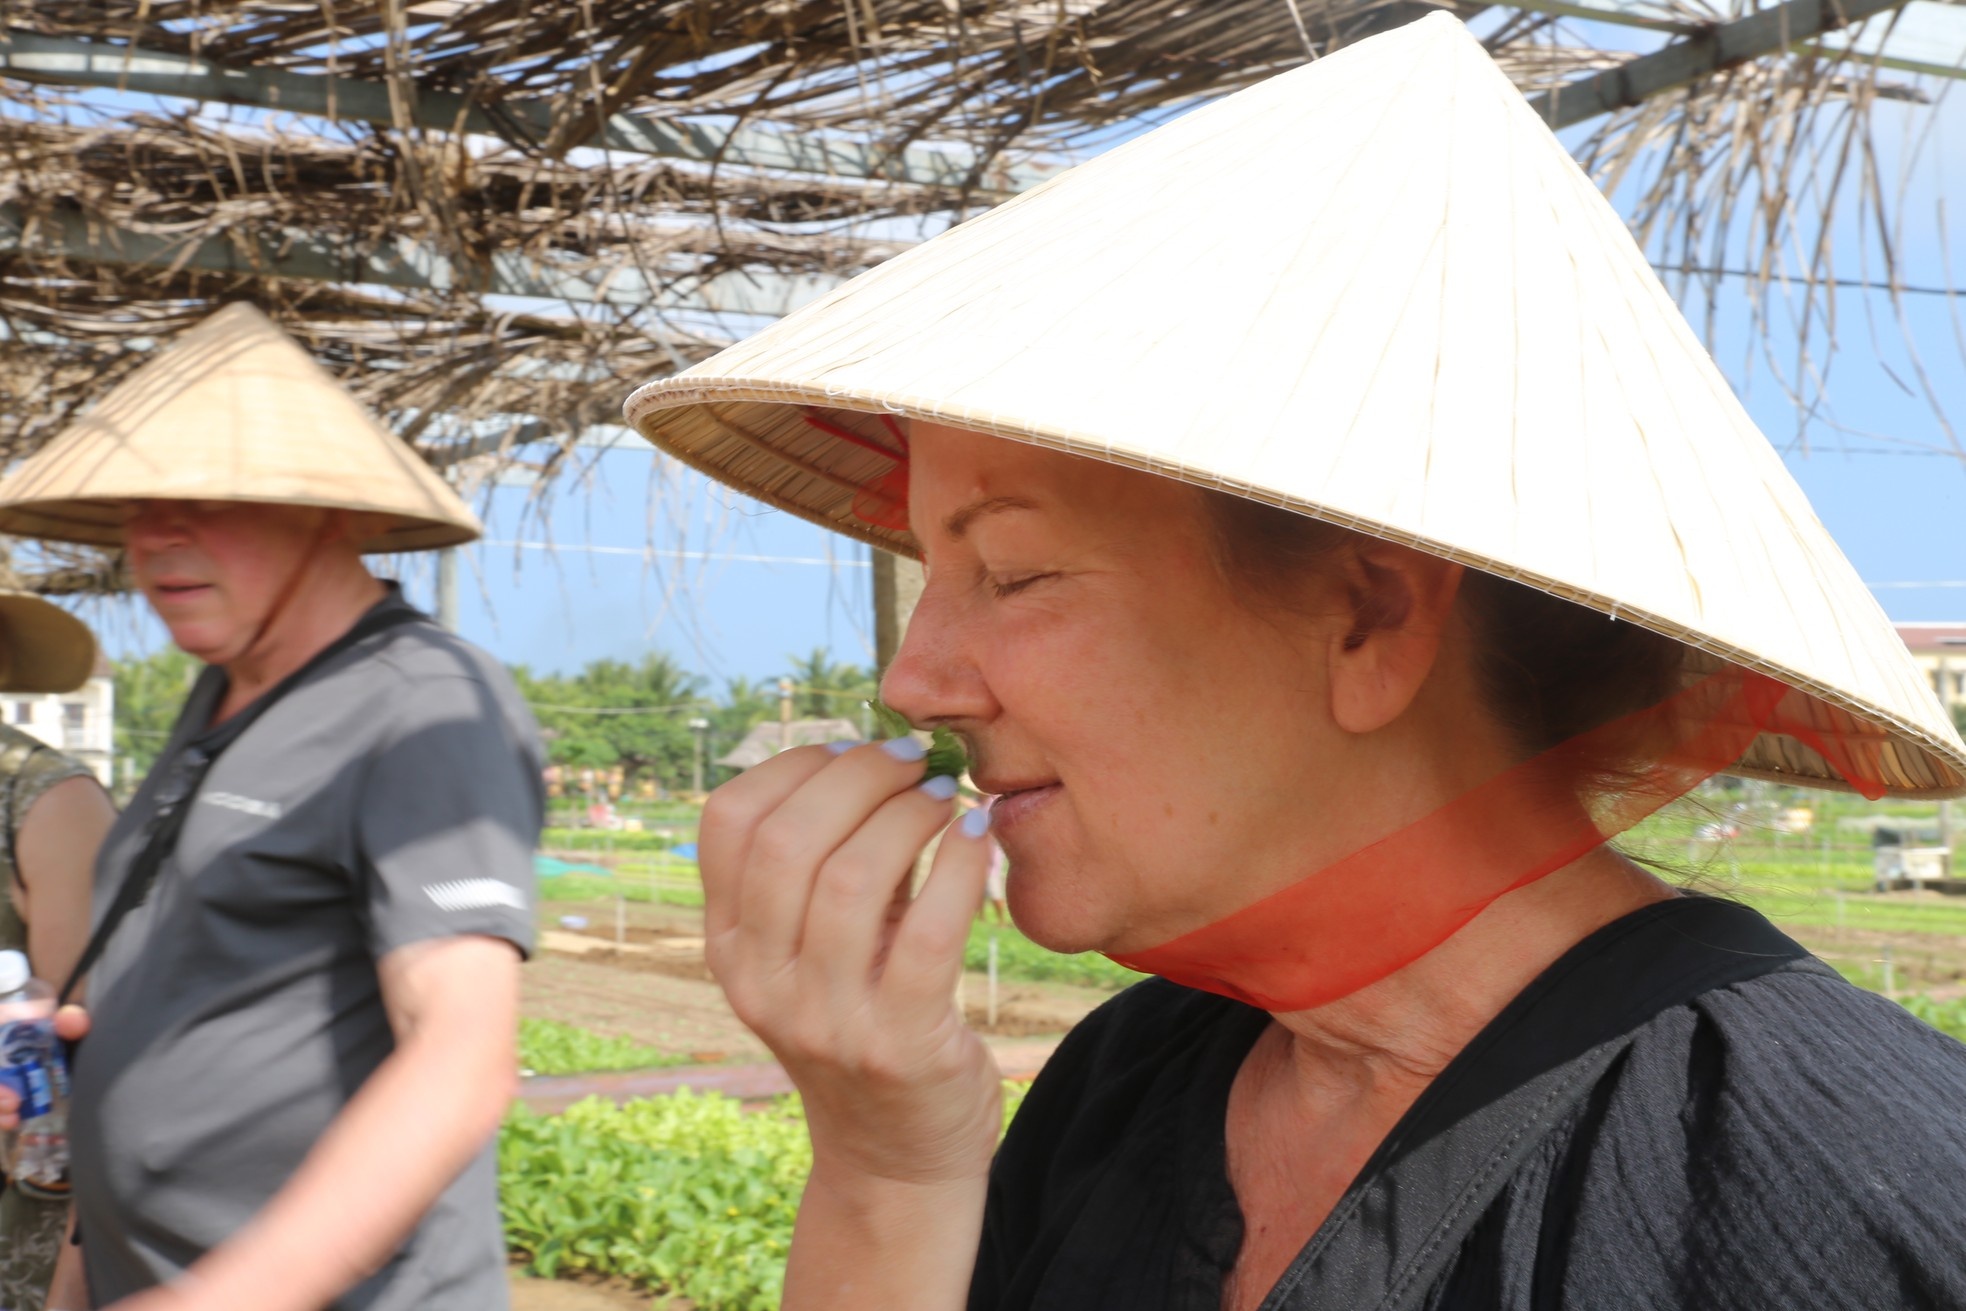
{"x": 840, "y": 748}
{"x": 976, "y": 823}
{"x": 941, "y": 787}
{"x": 904, "y": 749}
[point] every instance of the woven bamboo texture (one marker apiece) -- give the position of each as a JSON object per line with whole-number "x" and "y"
{"x": 233, "y": 410}
{"x": 1376, "y": 290}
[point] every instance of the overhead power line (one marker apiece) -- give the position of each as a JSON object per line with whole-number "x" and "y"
{"x": 664, "y": 553}
{"x": 1938, "y": 583}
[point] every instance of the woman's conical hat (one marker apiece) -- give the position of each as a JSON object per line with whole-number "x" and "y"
{"x": 43, "y": 648}
{"x": 232, "y": 410}
{"x": 1376, "y": 290}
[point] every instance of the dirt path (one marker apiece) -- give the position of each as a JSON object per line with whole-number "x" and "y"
{"x": 652, "y": 986}
{"x": 1932, "y": 963}
{"x": 687, "y": 1017}
{"x": 564, "y": 1295}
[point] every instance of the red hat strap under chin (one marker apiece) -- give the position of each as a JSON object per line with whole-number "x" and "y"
{"x": 1358, "y": 920}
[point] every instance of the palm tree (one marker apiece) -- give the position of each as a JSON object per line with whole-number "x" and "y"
{"x": 826, "y": 689}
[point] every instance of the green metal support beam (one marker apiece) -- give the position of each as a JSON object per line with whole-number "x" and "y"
{"x": 64, "y": 61}
{"x": 1625, "y": 13}
{"x": 1765, "y": 32}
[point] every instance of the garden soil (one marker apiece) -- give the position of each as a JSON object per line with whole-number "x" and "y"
{"x": 564, "y": 1295}
{"x": 651, "y": 985}
{"x": 1931, "y": 963}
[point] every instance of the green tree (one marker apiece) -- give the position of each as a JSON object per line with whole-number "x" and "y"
{"x": 826, "y": 689}
{"x": 744, "y": 705}
{"x": 616, "y": 713}
{"x": 150, "y": 690}
{"x": 1959, "y": 717}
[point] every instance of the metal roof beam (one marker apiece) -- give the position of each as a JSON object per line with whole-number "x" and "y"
{"x": 1764, "y": 32}
{"x": 33, "y": 57}
{"x": 403, "y": 265}
{"x": 1621, "y": 13}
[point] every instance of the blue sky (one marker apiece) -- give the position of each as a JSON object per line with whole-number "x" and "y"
{"x": 1896, "y": 505}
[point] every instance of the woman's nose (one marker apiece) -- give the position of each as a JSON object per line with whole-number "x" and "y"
{"x": 934, "y": 678}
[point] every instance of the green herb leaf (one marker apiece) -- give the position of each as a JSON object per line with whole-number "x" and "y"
{"x": 945, "y": 749}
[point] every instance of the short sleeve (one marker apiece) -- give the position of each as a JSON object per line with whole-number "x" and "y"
{"x": 449, "y": 818}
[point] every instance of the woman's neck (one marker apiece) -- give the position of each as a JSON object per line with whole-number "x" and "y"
{"x": 1406, "y": 1027}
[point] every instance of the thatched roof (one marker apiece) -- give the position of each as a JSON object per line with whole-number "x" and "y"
{"x": 766, "y": 740}
{"x": 652, "y": 174}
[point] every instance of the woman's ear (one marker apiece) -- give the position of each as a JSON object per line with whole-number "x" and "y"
{"x": 1400, "y": 601}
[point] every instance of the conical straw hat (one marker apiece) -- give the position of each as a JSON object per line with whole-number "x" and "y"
{"x": 43, "y": 648}
{"x": 233, "y": 410}
{"x": 1376, "y": 290}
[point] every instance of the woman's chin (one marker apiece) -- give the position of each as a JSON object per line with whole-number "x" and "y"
{"x": 1060, "y": 924}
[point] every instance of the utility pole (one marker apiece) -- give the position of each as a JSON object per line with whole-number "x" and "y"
{"x": 447, "y": 588}
{"x": 784, "y": 714}
{"x": 701, "y": 728}
{"x": 1945, "y": 836}
{"x": 1945, "y": 807}
{"x": 898, "y": 586}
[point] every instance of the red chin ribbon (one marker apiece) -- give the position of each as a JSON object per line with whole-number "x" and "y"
{"x": 1354, "y": 922}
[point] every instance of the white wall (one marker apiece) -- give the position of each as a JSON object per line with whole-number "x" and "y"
{"x": 81, "y": 723}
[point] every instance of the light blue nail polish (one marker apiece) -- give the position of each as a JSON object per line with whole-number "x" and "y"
{"x": 904, "y": 749}
{"x": 976, "y": 823}
{"x": 840, "y": 748}
{"x": 941, "y": 787}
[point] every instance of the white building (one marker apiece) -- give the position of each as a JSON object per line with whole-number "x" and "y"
{"x": 81, "y": 723}
{"x": 1940, "y": 650}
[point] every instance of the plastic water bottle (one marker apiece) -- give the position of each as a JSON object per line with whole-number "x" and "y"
{"x": 31, "y": 1065}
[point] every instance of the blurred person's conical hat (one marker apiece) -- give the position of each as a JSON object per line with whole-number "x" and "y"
{"x": 1376, "y": 290}
{"x": 232, "y": 410}
{"x": 43, "y": 648}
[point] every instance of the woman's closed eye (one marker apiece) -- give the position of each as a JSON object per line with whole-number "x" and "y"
{"x": 1003, "y": 587}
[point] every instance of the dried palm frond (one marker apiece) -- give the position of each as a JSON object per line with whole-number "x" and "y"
{"x": 1746, "y": 182}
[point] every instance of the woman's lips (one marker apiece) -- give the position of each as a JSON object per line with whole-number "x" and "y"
{"x": 1016, "y": 807}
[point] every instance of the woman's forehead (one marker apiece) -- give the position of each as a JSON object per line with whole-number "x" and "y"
{"x": 957, "y": 469}
{"x": 965, "y": 487}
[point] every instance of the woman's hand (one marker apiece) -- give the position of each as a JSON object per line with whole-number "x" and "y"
{"x": 809, "y": 927}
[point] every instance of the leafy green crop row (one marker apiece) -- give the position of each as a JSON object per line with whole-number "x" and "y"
{"x": 587, "y": 839}
{"x": 1948, "y": 1017}
{"x": 683, "y": 1194}
{"x": 687, "y": 1194}
{"x": 550, "y": 1047}
{"x": 1020, "y": 958}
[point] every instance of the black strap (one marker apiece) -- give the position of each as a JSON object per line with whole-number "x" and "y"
{"x": 1402, "y": 1223}
{"x": 188, "y": 769}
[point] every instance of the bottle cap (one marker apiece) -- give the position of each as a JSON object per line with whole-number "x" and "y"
{"x": 14, "y": 971}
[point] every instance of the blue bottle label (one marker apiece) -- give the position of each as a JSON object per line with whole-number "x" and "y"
{"x": 24, "y": 1048}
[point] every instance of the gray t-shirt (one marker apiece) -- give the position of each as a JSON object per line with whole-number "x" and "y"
{"x": 392, "y": 797}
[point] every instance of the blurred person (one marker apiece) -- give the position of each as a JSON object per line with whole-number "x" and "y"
{"x": 303, "y": 980}
{"x": 54, "y": 814}
{"x": 996, "y": 881}
{"x": 1328, "y": 549}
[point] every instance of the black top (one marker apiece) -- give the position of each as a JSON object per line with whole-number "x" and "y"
{"x": 1780, "y": 1141}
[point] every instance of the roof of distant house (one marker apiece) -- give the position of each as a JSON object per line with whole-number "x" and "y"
{"x": 768, "y": 739}
{"x": 1939, "y": 638}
